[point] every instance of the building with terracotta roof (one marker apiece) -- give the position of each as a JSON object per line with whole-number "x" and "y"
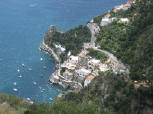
{"x": 88, "y": 80}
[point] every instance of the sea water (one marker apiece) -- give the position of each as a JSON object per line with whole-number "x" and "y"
{"x": 23, "y": 24}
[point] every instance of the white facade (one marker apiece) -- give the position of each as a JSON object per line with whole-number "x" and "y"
{"x": 94, "y": 62}
{"x": 124, "y": 20}
{"x": 60, "y": 47}
{"x": 83, "y": 72}
{"x": 74, "y": 59}
{"x": 88, "y": 80}
{"x": 103, "y": 68}
{"x": 105, "y": 21}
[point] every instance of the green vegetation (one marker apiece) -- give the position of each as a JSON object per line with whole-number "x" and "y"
{"x": 132, "y": 43}
{"x": 62, "y": 107}
{"x": 98, "y": 55}
{"x": 10, "y": 104}
{"x": 72, "y": 40}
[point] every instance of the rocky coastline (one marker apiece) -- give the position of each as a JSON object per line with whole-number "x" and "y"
{"x": 44, "y": 47}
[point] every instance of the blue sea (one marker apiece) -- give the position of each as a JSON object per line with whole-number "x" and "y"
{"x": 23, "y": 24}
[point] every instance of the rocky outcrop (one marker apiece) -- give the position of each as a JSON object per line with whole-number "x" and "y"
{"x": 46, "y": 48}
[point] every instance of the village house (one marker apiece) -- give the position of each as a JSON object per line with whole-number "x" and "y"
{"x": 68, "y": 75}
{"x": 88, "y": 80}
{"x": 87, "y": 46}
{"x": 122, "y": 7}
{"x": 105, "y": 21}
{"x": 103, "y": 67}
{"x": 93, "y": 63}
{"x": 83, "y": 72}
{"x": 69, "y": 65}
{"x": 124, "y": 20}
{"x": 62, "y": 49}
{"x": 96, "y": 27}
{"x": 74, "y": 59}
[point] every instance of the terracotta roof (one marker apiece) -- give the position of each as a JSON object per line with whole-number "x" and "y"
{"x": 80, "y": 54}
{"x": 95, "y": 24}
{"x": 108, "y": 15}
{"x": 90, "y": 77}
{"x": 127, "y": 4}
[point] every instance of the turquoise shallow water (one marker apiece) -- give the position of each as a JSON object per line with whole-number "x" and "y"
{"x": 23, "y": 24}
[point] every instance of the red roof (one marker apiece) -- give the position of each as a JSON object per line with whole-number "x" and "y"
{"x": 90, "y": 77}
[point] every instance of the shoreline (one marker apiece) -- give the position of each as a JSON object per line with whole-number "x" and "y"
{"x": 44, "y": 47}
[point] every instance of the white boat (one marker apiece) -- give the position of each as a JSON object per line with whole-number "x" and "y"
{"x": 18, "y": 70}
{"x": 28, "y": 99}
{"x": 23, "y": 65}
{"x": 44, "y": 67}
{"x": 14, "y": 83}
{"x": 30, "y": 68}
{"x": 41, "y": 59}
{"x": 50, "y": 98}
{"x": 14, "y": 89}
{"x": 34, "y": 83}
{"x": 20, "y": 76}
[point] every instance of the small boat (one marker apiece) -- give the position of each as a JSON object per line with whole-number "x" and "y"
{"x": 28, "y": 99}
{"x": 14, "y": 83}
{"x": 44, "y": 67}
{"x": 14, "y": 89}
{"x": 23, "y": 65}
{"x": 41, "y": 59}
{"x": 20, "y": 76}
{"x": 50, "y": 98}
{"x": 34, "y": 83}
{"x": 30, "y": 68}
{"x": 18, "y": 70}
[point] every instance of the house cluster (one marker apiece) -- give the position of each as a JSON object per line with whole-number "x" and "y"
{"x": 78, "y": 71}
{"x": 107, "y": 19}
{"x": 124, "y": 6}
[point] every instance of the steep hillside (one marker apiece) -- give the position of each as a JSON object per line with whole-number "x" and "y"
{"x": 132, "y": 43}
{"x": 109, "y": 92}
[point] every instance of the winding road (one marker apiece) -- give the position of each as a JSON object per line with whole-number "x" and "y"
{"x": 120, "y": 66}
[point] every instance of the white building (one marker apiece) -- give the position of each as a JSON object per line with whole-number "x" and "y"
{"x": 83, "y": 72}
{"x": 60, "y": 47}
{"x": 88, "y": 80}
{"x": 74, "y": 59}
{"x": 94, "y": 62}
{"x": 122, "y": 7}
{"x": 105, "y": 21}
{"x": 68, "y": 75}
{"x": 124, "y": 20}
{"x": 103, "y": 68}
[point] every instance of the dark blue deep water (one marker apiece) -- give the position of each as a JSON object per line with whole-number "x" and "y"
{"x": 23, "y": 24}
